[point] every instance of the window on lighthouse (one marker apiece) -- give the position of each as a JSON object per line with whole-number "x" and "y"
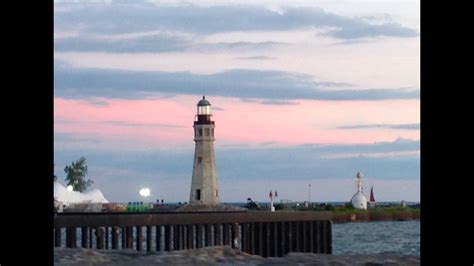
{"x": 207, "y": 131}
{"x": 200, "y": 132}
{"x": 204, "y": 110}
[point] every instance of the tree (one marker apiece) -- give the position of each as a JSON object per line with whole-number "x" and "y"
{"x": 75, "y": 175}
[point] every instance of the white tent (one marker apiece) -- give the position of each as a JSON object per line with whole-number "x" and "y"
{"x": 63, "y": 195}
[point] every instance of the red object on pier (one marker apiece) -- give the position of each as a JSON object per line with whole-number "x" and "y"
{"x": 270, "y": 195}
{"x": 372, "y": 198}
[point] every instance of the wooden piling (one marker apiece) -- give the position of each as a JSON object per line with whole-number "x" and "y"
{"x": 329, "y": 237}
{"x": 253, "y": 238}
{"x": 190, "y": 236}
{"x": 273, "y": 239}
{"x": 305, "y": 237}
{"x": 73, "y": 237}
{"x": 139, "y": 238}
{"x": 297, "y": 236}
{"x": 124, "y": 238}
{"x": 149, "y": 238}
{"x": 218, "y": 234}
{"x": 236, "y": 236}
{"x": 266, "y": 236}
{"x": 106, "y": 237}
{"x": 319, "y": 235}
{"x": 85, "y": 237}
{"x": 100, "y": 237}
{"x": 247, "y": 238}
{"x": 168, "y": 238}
{"x": 208, "y": 239}
{"x": 324, "y": 238}
{"x": 115, "y": 237}
{"x": 57, "y": 237}
{"x": 158, "y": 237}
{"x": 129, "y": 236}
{"x": 175, "y": 237}
{"x": 91, "y": 237}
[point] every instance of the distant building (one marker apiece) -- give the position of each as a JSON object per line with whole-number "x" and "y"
{"x": 204, "y": 190}
{"x": 372, "y": 198}
{"x": 404, "y": 204}
{"x": 359, "y": 201}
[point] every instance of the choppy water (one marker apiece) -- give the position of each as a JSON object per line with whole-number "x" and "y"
{"x": 389, "y": 238}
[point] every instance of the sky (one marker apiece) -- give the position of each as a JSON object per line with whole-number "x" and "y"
{"x": 302, "y": 92}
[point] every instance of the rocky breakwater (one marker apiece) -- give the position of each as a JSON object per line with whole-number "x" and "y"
{"x": 221, "y": 255}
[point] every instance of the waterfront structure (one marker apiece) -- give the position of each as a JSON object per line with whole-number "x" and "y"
{"x": 359, "y": 201}
{"x": 372, "y": 198}
{"x": 404, "y": 204}
{"x": 267, "y": 234}
{"x": 204, "y": 189}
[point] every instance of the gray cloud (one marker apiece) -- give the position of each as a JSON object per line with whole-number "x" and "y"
{"x": 244, "y": 84}
{"x": 216, "y": 108}
{"x": 279, "y": 103}
{"x": 393, "y": 126}
{"x": 99, "y": 103}
{"x": 399, "y": 145}
{"x": 271, "y": 102}
{"x": 128, "y": 124}
{"x": 157, "y": 43}
{"x": 315, "y": 162}
{"x": 259, "y": 57}
{"x": 118, "y": 123}
{"x": 240, "y": 45}
{"x": 136, "y": 45}
{"x": 365, "y": 30}
{"x": 126, "y": 18}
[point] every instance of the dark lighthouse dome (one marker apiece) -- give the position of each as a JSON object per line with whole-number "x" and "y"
{"x": 204, "y": 102}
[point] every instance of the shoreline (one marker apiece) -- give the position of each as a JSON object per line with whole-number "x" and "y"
{"x": 218, "y": 255}
{"x": 375, "y": 217}
{"x": 371, "y": 221}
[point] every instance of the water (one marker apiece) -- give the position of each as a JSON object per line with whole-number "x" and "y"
{"x": 388, "y": 238}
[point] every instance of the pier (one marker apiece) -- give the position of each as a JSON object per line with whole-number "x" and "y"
{"x": 268, "y": 234}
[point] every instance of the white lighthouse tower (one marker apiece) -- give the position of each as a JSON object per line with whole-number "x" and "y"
{"x": 359, "y": 201}
{"x": 204, "y": 190}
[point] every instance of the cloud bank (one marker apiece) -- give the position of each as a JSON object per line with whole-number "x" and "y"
{"x": 120, "y": 18}
{"x": 242, "y": 83}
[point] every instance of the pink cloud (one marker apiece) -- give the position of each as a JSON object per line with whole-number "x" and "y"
{"x": 169, "y": 121}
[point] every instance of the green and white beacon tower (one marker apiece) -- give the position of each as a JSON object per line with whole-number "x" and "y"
{"x": 204, "y": 189}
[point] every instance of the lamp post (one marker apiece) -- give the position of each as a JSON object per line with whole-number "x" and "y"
{"x": 271, "y": 196}
{"x": 272, "y": 208}
{"x": 309, "y": 193}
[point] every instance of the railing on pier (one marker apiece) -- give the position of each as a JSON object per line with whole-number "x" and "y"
{"x": 269, "y": 234}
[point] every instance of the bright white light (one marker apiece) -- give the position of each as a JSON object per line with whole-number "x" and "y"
{"x": 69, "y": 188}
{"x": 144, "y": 192}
